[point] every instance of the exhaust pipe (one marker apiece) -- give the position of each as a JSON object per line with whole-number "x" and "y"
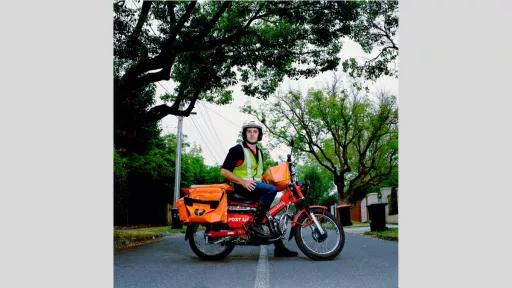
{"x": 222, "y": 233}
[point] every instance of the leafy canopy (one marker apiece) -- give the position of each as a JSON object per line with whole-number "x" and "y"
{"x": 207, "y": 47}
{"x": 343, "y": 130}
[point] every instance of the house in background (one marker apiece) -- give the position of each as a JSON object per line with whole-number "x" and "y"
{"x": 372, "y": 198}
{"x": 359, "y": 211}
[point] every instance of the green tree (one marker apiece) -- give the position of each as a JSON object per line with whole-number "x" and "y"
{"x": 319, "y": 183}
{"x": 121, "y": 193}
{"x": 388, "y": 181}
{"x": 375, "y": 30}
{"x": 144, "y": 182}
{"x": 351, "y": 136}
{"x": 195, "y": 171}
{"x": 206, "y": 47}
{"x": 213, "y": 175}
{"x": 267, "y": 159}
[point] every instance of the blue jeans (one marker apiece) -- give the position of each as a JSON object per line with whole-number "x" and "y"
{"x": 263, "y": 192}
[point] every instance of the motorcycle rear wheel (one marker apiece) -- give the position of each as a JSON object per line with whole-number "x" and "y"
{"x": 309, "y": 240}
{"x": 203, "y": 249}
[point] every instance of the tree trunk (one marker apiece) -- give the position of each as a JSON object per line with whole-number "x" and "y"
{"x": 339, "y": 181}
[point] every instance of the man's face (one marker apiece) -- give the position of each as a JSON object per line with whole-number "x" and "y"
{"x": 252, "y": 135}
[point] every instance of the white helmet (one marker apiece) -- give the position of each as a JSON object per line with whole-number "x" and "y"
{"x": 252, "y": 124}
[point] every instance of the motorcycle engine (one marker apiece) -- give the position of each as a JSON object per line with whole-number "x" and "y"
{"x": 281, "y": 223}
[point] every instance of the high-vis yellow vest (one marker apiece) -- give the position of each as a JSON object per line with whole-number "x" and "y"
{"x": 249, "y": 169}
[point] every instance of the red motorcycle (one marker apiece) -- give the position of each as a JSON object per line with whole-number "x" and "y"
{"x": 317, "y": 233}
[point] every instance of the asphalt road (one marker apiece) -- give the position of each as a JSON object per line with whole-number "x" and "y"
{"x": 364, "y": 262}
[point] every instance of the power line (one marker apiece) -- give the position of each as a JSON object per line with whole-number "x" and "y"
{"x": 216, "y": 135}
{"x": 207, "y": 146}
{"x": 163, "y": 87}
{"x": 227, "y": 120}
{"x": 207, "y": 139}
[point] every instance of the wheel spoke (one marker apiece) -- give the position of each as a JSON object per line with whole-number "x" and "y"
{"x": 311, "y": 240}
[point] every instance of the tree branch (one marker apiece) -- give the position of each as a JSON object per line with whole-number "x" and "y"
{"x": 225, "y": 40}
{"x": 150, "y": 78}
{"x": 385, "y": 173}
{"x": 179, "y": 26}
{"x": 386, "y": 34}
{"x": 165, "y": 58}
{"x": 365, "y": 170}
{"x": 298, "y": 131}
{"x": 172, "y": 14}
{"x": 311, "y": 142}
{"x": 140, "y": 22}
{"x": 375, "y": 135}
{"x": 158, "y": 112}
{"x": 337, "y": 143}
{"x": 368, "y": 62}
{"x": 209, "y": 26}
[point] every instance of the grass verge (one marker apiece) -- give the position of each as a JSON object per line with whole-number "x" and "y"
{"x": 359, "y": 224}
{"x": 127, "y": 237}
{"x": 389, "y": 234}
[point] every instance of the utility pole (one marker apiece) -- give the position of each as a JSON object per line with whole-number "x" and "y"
{"x": 177, "y": 176}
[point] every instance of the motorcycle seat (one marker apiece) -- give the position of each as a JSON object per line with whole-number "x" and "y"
{"x": 241, "y": 198}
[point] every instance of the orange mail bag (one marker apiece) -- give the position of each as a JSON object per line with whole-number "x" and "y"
{"x": 182, "y": 210}
{"x": 205, "y": 204}
{"x": 278, "y": 176}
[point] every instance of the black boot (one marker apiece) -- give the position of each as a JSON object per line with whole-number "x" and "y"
{"x": 281, "y": 251}
{"x": 256, "y": 226}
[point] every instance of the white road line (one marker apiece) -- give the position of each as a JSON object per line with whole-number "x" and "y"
{"x": 262, "y": 272}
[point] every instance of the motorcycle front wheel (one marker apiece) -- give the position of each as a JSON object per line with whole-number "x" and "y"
{"x": 315, "y": 245}
{"x": 206, "y": 248}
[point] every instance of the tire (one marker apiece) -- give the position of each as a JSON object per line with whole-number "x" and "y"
{"x": 200, "y": 247}
{"x": 335, "y": 235}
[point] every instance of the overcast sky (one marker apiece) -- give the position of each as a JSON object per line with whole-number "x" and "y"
{"x": 215, "y": 128}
